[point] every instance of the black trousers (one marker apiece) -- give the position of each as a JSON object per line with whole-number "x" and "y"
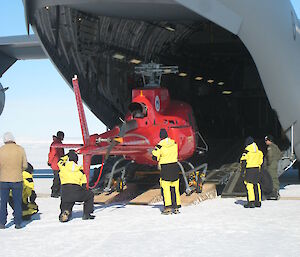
{"x": 71, "y": 193}
{"x": 252, "y": 184}
{"x": 56, "y": 183}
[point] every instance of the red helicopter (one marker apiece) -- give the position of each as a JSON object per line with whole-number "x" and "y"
{"x": 151, "y": 109}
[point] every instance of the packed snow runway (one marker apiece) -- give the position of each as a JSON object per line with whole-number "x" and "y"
{"x": 218, "y": 227}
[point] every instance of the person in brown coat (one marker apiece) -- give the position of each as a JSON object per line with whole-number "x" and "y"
{"x": 12, "y": 163}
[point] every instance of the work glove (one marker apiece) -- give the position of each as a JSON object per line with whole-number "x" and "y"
{"x": 32, "y": 197}
{"x": 149, "y": 150}
{"x": 243, "y": 168}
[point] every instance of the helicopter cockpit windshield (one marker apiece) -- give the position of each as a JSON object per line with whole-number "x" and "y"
{"x": 138, "y": 110}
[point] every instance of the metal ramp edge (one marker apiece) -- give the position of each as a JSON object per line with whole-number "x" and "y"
{"x": 228, "y": 176}
{"x": 234, "y": 186}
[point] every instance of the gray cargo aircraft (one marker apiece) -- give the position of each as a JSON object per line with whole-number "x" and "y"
{"x": 2, "y": 97}
{"x": 239, "y": 61}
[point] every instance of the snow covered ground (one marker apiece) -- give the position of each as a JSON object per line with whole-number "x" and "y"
{"x": 218, "y": 227}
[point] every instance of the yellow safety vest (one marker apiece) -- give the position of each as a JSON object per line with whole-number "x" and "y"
{"x": 253, "y": 156}
{"x": 166, "y": 151}
{"x": 70, "y": 172}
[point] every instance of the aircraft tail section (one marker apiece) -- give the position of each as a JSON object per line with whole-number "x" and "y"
{"x": 82, "y": 118}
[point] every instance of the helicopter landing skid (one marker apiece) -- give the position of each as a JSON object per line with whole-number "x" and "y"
{"x": 198, "y": 173}
{"x": 121, "y": 180}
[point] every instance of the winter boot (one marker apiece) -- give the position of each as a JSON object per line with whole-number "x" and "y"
{"x": 64, "y": 217}
{"x": 88, "y": 217}
{"x": 167, "y": 211}
{"x": 274, "y": 195}
{"x": 249, "y": 205}
{"x": 54, "y": 195}
{"x": 258, "y": 204}
{"x": 176, "y": 211}
{"x": 18, "y": 226}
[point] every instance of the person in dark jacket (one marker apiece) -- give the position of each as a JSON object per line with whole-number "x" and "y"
{"x": 53, "y": 157}
{"x": 73, "y": 188}
{"x": 251, "y": 161}
{"x": 273, "y": 156}
{"x": 166, "y": 153}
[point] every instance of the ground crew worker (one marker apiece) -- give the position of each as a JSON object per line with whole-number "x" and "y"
{"x": 53, "y": 158}
{"x": 73, "y": 188}
{"x": 251, "y": 161}
{"x": 29, "y": 206}
{"x": 273, "y": 156}
{"x": 166, "y": 153}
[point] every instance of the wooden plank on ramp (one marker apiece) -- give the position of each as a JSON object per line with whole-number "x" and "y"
{"x": 208, "y": 192}
{"x": 132, "y": 195}
{"x": 151, "y": 196}
{"x": 154, "y": 195}
{"x": 106, "y": 198}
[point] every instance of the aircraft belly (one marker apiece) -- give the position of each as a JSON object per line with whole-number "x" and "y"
{"x": 2, "y": 98}
{"x": 269, "y": 31}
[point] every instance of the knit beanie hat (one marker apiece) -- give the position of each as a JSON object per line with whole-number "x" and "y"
{"x": 60, "y": 134}
{"x": 269, "y": 138}
{"x": 249, "y": 141}
{"x": 8, "y": 137}
{"x": 73, "y": 156}
{"x": 163, "y": 134}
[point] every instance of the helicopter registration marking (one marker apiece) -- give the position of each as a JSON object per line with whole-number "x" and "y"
{"x": 157, "y": 103}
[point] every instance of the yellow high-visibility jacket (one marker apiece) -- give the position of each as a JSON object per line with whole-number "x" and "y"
{"x": 253, "y": 156}
{"x": 166, "y": 151}
{"x": 28, "y": 185}
{"x": 70, "y": 172}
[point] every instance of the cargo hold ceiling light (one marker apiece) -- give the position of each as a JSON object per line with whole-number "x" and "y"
{"x": 182, "y": 74}
{"x": 118, "y": 56}
{"x": 210, "y": 81}
{"x": 198, "y": 78}
{"x": 170, "y": 27}
{"x": 226, "y": 92}
{"x": 221, "y": 83}
{"x": 135, "y": 61}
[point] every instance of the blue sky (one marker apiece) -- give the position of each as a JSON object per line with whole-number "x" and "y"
{"x": 39, "y": 102}
{"x": 296, "y": 4}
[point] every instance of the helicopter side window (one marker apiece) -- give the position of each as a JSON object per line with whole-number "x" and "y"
{"x": 138, "y": 110}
